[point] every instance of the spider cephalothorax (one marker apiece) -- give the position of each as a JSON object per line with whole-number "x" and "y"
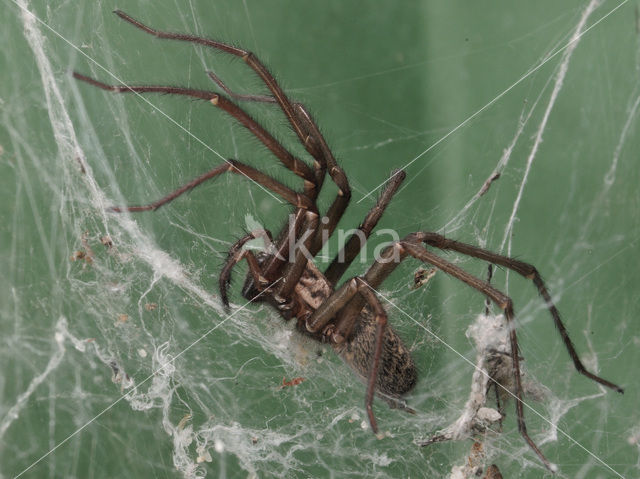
{"x": 350, "y": 316}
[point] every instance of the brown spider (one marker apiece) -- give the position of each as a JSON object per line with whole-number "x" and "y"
{"x": 350, "y": 318}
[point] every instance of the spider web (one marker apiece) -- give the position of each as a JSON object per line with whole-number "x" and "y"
{"x": 117, "y": 356}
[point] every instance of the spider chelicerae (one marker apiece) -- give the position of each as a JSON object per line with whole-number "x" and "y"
{"x": 350, "y": 317}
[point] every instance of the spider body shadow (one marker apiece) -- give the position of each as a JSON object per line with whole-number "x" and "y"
{"x": 349, "y": 317}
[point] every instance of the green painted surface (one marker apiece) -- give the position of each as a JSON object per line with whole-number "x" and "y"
{"x": 385, "y": 81}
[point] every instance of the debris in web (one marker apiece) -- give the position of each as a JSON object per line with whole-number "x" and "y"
{"x": 493, "y": 372}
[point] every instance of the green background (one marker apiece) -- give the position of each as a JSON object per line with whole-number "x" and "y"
{"x": 385, "y": 81}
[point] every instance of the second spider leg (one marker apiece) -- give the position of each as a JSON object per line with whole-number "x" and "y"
{"x": 357, "y": 240}
{"x": 528, "y": 271}
{"x": 232, "y": 166}
{"x": 324, "y": 314}
{"x": 294, "y": 164}
{"x": 248, "y": 57}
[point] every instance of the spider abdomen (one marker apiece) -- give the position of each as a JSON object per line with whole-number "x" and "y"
{"x": 397, "y": 373}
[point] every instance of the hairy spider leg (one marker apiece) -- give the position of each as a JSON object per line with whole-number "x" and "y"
{"x": 306, "y": 209}
{"x": 343, "y": 196}
{"x": 320, "y": 165}
{"x": 237, "y": 254}
{"x": 354, "y": 244}
{"x": 232, "y": 166}
{"x": 245, "y": 55}
{"x": 239, "y": 96}
{"x": 528, "y": 271}
{"x": 294, "y": 164}
{"x": 328, "y": 309}
{"x": 306, "y": 130}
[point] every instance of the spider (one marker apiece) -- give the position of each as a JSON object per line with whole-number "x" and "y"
{"x": 349, "y": 317}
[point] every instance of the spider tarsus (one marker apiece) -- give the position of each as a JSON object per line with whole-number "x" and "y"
{"x": 224, "y": 298}
{"x": 604, "y": 382}
{"x": 224, "y": 280}
{"x": 372, "y": 419}
{"x": 398, "y": 173}
{"x": 615, "y": 387}
{"x": 610, "y": 385}
{"x": 582, "y": 370}
{"x": 128, "y": 18}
